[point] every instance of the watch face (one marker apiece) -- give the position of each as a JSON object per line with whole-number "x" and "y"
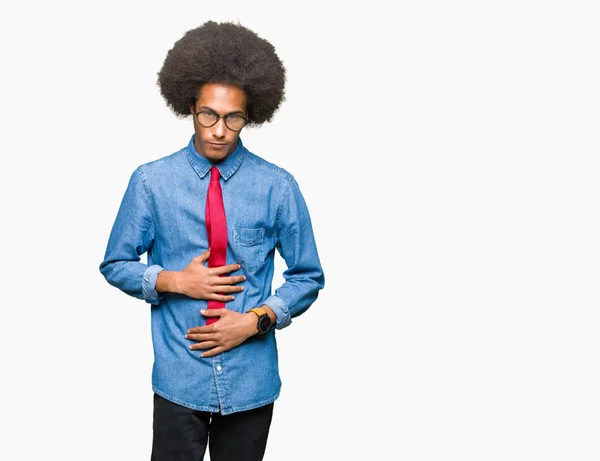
{"x": 264, "y": 324}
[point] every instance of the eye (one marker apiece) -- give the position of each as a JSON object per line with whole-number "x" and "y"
{"x": 206, "y": 118}
{"x": 235, "y": 121}
{"x": 235, "y": 118}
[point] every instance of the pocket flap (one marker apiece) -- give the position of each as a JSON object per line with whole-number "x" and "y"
{"x": 247, "y": 236}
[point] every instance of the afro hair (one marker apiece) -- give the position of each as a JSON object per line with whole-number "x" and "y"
{"x": 225, "y": 53}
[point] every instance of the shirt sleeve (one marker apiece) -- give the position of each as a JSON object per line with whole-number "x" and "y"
{"x": 304, "y": 276}
{"x": 132, "y": 235}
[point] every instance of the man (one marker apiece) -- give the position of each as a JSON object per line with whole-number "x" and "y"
{"x": 210, "y": 217}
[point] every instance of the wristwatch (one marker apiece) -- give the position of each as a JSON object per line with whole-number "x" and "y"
{"x": 264, "y": 321}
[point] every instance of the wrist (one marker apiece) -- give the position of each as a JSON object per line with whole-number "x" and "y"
{"x": 252, "y": 323}
{"x": 270, "y": 313}
{"x": 263, "y": 320}
{"x": 169, "y": 281}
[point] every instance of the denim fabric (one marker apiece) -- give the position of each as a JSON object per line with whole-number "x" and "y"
{"x": 162, "y": 213}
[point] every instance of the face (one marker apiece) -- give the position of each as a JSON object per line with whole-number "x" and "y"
{"x": 217, "y": 142}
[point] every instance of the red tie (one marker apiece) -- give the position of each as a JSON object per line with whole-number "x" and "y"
{"x": 216, "y": 228}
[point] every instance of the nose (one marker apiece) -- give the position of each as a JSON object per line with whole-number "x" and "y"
{"x": 220, "y": 128}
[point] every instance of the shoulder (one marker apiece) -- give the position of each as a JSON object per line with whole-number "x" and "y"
{"x": 166, "y": 164}
{"x": 267, "y": 168}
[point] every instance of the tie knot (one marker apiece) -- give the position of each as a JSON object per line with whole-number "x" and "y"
{"x": 214, "y": 174}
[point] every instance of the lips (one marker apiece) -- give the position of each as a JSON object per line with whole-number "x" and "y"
{"x": 216, "y": 145}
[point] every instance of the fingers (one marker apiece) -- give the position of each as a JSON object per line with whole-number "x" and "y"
{"x": 203, "y": 345}
{"x": 199, "y": 337}
{"x": 221, "y": 292}
{"x": 226, "y": 269}
{"x": 228, "y": 288}
{"x": 213, "y": 312}
{"x": 225, "y": 287}
{"x": 232, "y": 279}
{"x": 215, "y": 351}
{"x": 222, "y": 298}
{"x": 201, "y": 259}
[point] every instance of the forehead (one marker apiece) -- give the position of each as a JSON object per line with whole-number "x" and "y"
{"x": 220, "y": 97}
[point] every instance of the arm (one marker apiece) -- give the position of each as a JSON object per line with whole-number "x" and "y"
{"x": 296, "y": 244}
{"x": 132, "y": 235}
{"x": 201, "y": 282}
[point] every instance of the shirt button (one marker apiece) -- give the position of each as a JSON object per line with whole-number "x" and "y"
{"x": 219, "y": 367}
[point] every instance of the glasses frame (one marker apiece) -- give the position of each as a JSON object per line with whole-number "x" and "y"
{"x": 224, "y": 117}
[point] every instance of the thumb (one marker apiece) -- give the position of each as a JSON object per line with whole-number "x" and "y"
{"x": 212, "y": 312}
{"x": 201, "y": 259}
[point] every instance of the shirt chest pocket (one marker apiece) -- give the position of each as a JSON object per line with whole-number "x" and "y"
{"x": 248, "y": 247}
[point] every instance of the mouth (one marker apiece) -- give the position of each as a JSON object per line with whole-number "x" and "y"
{"x": 217, "y": 145}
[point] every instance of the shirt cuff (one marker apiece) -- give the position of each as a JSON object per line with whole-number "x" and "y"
{"x": 281, "y": 310}
{"x": 149, "y": 284}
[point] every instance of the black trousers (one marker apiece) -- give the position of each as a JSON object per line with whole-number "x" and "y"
{"x": 181, "y": 434}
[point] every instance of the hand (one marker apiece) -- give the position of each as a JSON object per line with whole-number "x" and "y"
{"x": 231, "y": 330}
{"x": 201, "y": 282}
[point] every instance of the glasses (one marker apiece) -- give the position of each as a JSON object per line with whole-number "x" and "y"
{"x": 234, "y": 122}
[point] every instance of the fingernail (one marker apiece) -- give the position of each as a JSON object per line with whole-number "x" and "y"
{"x": 202, "y": 310}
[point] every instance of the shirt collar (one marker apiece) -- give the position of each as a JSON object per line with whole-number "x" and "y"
{"x": 226, "y": 167}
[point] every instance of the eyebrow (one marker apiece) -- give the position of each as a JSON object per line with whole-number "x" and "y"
{"x": 235, "y": 112}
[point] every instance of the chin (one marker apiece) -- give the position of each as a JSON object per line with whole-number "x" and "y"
{"x": 216, "y": 156}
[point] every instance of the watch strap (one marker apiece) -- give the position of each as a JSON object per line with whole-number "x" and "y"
{"x": 262, "y": 315}
{"x": 258, "y": 311}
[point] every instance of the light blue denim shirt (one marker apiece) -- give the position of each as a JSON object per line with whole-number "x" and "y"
{"x": 162, "y": 213}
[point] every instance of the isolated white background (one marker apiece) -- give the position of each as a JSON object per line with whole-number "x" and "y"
{"x": 448, "y": 152}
